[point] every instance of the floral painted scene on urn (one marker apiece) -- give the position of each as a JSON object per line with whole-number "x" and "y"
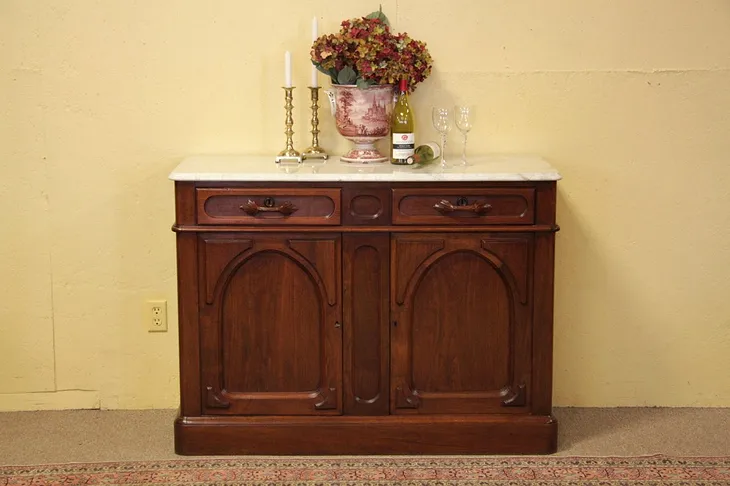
{"x": 365, "y": 61}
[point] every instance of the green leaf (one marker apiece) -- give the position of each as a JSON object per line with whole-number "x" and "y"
{"x": 346, "y": 76}
{"x": 379, "y": 15}
{"x": 365, "y": 83}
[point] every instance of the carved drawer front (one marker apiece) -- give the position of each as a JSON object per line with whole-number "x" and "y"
{"x": 278, "y": 206}
{"x": 464, "y": 206}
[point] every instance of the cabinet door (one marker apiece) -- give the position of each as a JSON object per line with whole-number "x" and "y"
{"x": 270, "y": 324}
{"x": 461, "y": 323}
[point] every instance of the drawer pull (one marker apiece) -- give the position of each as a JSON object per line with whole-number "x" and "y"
{"x": 286, "y": 208}
{"x": 478, "y": 207}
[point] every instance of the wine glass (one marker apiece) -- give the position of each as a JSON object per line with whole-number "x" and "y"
{"x": 442, "y": 123}
{"x": 464, "y": 118}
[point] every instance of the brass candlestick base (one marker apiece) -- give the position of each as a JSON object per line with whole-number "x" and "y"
{"x": 315, "y": 151}
{"x": 289, "y": 154}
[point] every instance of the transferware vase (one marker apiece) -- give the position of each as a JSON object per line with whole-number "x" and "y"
{"x": 363, "y": 117}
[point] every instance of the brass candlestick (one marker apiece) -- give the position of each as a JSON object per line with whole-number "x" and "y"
{"x": 315, "y": 151}
{"x": 289, "y": 154}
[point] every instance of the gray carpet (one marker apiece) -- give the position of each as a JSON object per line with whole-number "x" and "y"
{"x": 92, "y": 435}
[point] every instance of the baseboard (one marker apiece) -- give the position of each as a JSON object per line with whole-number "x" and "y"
{"x": 56, "y": 400}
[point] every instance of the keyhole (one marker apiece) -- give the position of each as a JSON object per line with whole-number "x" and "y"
{"x": 462, "y": 201}
{"x": 269, "y": 202}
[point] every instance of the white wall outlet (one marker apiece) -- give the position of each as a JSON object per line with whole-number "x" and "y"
{"x": 155, "y": 315}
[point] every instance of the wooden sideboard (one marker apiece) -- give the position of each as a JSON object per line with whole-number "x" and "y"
{"x": 360, "y": 316}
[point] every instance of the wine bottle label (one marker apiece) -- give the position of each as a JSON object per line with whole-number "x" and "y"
{"x": 404, "y": 145}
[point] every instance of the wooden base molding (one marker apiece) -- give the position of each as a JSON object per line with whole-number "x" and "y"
{"x": 343, "y": 435}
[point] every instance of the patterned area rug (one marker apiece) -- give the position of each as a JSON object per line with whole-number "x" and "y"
{"x": 375, "y": 470}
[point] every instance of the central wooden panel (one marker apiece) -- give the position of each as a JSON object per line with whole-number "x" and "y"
{"x": 366, "y": 288}
{"x": 460, "y": 332}
{"x": 271, "y": 318}
{"x": 366, "y": 351}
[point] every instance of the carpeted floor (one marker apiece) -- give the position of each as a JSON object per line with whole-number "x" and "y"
{"x": 92, "y": 435}
{"x": 630, "y": 446}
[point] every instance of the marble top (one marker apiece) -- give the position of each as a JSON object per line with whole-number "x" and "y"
{"x": 245, "y": 168}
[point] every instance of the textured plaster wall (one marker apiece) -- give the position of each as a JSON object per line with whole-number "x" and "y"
{"x": 100, "y": 99}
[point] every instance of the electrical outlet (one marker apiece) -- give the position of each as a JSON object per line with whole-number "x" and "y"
{"x": 155, "y": 315}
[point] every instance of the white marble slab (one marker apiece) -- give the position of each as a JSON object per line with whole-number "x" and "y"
{"x": 263, "y": 168}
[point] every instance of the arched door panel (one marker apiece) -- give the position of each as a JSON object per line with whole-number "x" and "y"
{"x": 271, "y": 334}
{"x": 460, "y": 336}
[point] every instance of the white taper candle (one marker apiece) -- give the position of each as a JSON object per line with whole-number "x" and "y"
{"x": 287, "y": 69}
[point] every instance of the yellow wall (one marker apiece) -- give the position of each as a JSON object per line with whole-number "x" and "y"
{"x": 99, "y": 100}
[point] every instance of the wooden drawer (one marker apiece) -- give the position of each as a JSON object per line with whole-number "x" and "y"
{"x": 278, "y": 206}
{"x": 464, "y": 206}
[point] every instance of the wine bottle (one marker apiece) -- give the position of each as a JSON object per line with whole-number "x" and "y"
{"x": 424, "y": 154}
{"x": 403, "y": 141}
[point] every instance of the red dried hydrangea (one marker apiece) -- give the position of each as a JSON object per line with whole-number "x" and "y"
{"x": 415, "y": 60}
{"x": 365, "y": 52}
